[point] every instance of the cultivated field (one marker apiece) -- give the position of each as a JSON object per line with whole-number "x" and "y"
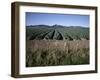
{"x": 56, "y": 45}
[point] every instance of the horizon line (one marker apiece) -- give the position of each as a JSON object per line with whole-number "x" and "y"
{"x": 59, "y": 25}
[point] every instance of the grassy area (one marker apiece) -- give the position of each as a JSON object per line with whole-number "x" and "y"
{"x": 56, "y": 45}
{"x": 56, "y": 52}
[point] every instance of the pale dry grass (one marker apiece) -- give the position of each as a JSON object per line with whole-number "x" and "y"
{"x": 56, "y": 52}
{"x": 57, "y": 44}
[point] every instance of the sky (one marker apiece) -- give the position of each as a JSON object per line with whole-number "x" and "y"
{"x": 60, "y": 19}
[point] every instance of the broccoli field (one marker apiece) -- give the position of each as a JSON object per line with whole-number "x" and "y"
{"x": 56, "y": 45}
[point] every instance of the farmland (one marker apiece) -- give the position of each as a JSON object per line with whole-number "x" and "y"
{"x": 56, "y": 32}
{"x": 56, "y": 45}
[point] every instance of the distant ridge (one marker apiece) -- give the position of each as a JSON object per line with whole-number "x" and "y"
{"x": 54, "y": 26}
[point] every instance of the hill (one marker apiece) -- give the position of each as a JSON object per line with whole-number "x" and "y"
{"x": 56, "y": 32}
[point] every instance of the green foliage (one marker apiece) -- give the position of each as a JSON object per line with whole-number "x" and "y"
{"x": 57, "y": 33}
{"x": 57, "y": 57}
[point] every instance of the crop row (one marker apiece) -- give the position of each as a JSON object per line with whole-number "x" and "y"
{"x": 57, "y": 33}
